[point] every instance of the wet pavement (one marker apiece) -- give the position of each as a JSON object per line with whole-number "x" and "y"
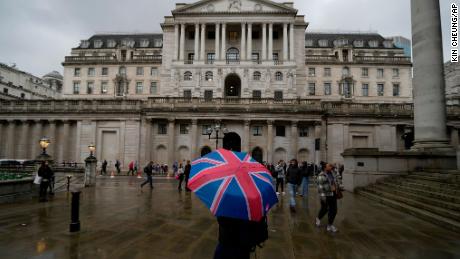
{"x": 118, "y": 220}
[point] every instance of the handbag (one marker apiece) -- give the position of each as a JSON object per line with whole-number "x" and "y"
{"x": 38, "y": 179}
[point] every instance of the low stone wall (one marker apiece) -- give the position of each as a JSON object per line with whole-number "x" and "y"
{"x": 365, "y": 166}
{"x": 16, "y": 190}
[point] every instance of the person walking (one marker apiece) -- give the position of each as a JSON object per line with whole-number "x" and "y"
{"x": 130, "y": 168}
{"x": 136, "y": 166}
{"x": 117, "y": 166}
{"x": 329, "y": 183}
{"x": 46, "y": 174}
{"x": 104, "y": 167}
{"x": 293, "y": 178}
{"x": 180, "y": 175}
{"x": 148, "y": 171}
{"x": 187, "y": 169}
{"x": 306, "y": 172}
{"x": 280, "y": 175}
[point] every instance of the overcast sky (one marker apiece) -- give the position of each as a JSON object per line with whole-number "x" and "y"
{"x": 37, "y": 34}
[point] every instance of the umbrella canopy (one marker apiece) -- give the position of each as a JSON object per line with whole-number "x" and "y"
{"x": 233, "y": 184}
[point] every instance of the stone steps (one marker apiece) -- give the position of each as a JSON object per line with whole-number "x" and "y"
{"x": 414, "y": 211}
{"x": 422, "y": 190}
{"x": 433, "y": 196}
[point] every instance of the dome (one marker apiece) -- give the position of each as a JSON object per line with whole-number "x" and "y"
{"x": 53, "y": 75}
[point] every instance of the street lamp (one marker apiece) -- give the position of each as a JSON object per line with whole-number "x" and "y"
{"x": 91, "y": 148}
{"x": 217, "y": 128}
{"x": 44, "y": 143}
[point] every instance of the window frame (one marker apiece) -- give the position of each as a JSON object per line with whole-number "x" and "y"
{"x": 257, "y": 130}
{"x": 280, "y": 131}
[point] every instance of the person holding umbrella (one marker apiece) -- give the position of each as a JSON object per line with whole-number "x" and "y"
{"x": 239, "y": 192}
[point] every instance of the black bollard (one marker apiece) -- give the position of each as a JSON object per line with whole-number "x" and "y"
{"x": 75, "y": 211}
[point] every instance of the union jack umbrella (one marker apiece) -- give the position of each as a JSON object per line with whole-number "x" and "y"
{"x": 233, "y": 184}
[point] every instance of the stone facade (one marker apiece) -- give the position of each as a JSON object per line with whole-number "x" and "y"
{"x": 16, "y": 84}
{"x": 452, "y": 77}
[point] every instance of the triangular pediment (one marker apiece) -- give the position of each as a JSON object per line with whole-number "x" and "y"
{"x": 234, "y": 6}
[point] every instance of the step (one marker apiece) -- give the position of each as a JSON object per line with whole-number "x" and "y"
{"x": 422, "y": 214}
{"x": 455, "y": 192}
{"x": 433, "y": 184}
{"x": 420, "y": 198}
{"x": 443, "y": 179}
{"x": 421, "y": 205}
{"x": 438, "y": 194}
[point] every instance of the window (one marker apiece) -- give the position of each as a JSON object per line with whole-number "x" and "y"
{"x": 311, "y": 71}
{"x": 303, "y": 132}
{"x": 139, "y": 87}
{"x": 191, "y": 57}
{"x": 323, "y": 43}
{"x": 105, "y": 71}
{"x": 76, "y": 71}
{"x": 183, "y": 129}
{"x": 256, "y": 94}
{"x": 257, "y": 131}
{"x": 211, "y": 58}
{"x": 111, "y": 43}
{"x": 327, "y": 71}
{"x": 209, "y": 76}
{"x": 90, "y": 87}
{"x": 358, "y": 43}
{"x": 233, "y": 54}
{"x": 327, "y": 89}
{"x": 233, "y": 35}
{"x": 256, "y": 76}
{"x": 157, "y": 43}
{"x": 211, "y": 35}
{"x": 395, "y": 89}
{"x": 204, "y": 129}
{"x": 23, "y": 95}
{"x": 364, "y": 72}
{"x": 279, "y": 76}
{"x": 104, "y": 87}
{"x": 345, "y": 71}
{"x": 91, "y": 71}
{"x": 122, "y": 70}
{"x": 276, "y": 35}
{"x": 340, "y": 42}
{"x": 208, "y": 94}
{"x": 380, "y": 73}
{"x": 278, "y": 95}
{"x": 162, "y": 129}
{"x": 191, "y": 35}
{"x": 275, "y": 56}
{"x": 380, "y": 89}
{"x": 255, "y": 35}
{"x": 311, "y": 88}
{"x": 373, "y": 44}
{"x": 5, "y": 90}
{"x": 255, "y": 57}
{"x": 188, "y": 94}
{"x": 144, "y": 43}
{"x": 188, "y": 76}
{"x": 139, "y": 71}
{"x": 395, "y": 72}
{"x": 153, "y": 87}
{"x": 365, "y": 89}
{"x": 308, "y": 43}
{"x": 154, "y": 71}
{"x": 76, "y": 87}
{"x": 280, "y": 131}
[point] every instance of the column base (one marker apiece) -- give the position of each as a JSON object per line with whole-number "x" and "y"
{"x": 437, "y": 145}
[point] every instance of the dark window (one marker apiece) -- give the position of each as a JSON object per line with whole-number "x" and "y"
{"x": 191, "y": 35}
{"x": 188, "y": 76}
{"x": 280, "y": 131}
{"x": 395, "y": 89}
{"x": 211, "y": 35}
{"x": 208, "y": 95}
{"x": 5, "y": 90}
{"x": 211, "y": 57}
{"x": 23, "y": 95}
{"x": 256, "y": 94}
{"x": 188, "y": 94}
{"x": 255, "y": 56}
{"x": 256, "y": 35}
{"x": 183, "y": 128}
{"x": 162, "y": 129}
{"x": 257, "y": 130}
{"x": 278, "y": 95}
{"x": 105, "y": 71}
{"x": 276, "y": 35}
{"x": 256, "y": 76}
{"x": 191, "y": 56}
{"x": 303, "y": 132}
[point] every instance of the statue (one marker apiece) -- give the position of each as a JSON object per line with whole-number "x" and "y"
{"x": 234, "y": 5}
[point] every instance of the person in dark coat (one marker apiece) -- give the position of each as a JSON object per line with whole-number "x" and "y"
{"x": 187, "y": 169}
{"x": 104, "y": 167}
{"x": 46, "y": 173}
{"x": 117, "y": 166}
{"x": 306, "y": 172}
{"x": 293, "y": 178}
{"x": 148, "y": 171}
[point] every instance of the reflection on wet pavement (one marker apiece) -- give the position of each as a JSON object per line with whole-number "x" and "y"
{"x": 118, "y": 220}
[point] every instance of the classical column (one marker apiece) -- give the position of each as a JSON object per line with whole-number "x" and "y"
{"x": 318, "y": 133}
{"x": 2, "y": 138}
{"x": 323, "y": 140}
{"x": 247, "y": 133}
{"x": 454, "y": 137}
{"x": 9, "y": 143}
{"x": 21, "y": 141}
{"x": 291, "y": 42}
{"x": 429, "y": 85}
{"x": 182, "y": 42}
{"x": 243, "y": 41}
{"x": 270, "y": 41}
{"x": 203, "y": 42}
{"x": 197, "y": 42}
{"x": 285, "y": 42}
{"x": 224, "y": 42}
{"x": 171, "y": 144}
{"x": 176, "y": 42}
{"x": 52, "y": 136}
{"x": 249, "y": 52}
{"x": 64, "y": 145}
{"x": 193, "y": 139}
{"x": 264, "y": 42}
{"x": 294, "y": 139}
{"x": 217, "y": 51}
{"x": 270, "y": 141}
{"x": 35, "y": 137}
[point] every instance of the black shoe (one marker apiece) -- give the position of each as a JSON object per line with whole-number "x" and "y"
{"x": 292, "y": 208}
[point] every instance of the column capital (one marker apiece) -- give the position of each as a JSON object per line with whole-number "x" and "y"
{"x": 247, "y": 122}
{"x": 270, "y": 122}
{"x": 171, "y": 120}
{"x": 194, "y": 121}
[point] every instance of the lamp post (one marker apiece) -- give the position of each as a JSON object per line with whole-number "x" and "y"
{"x": 91, "y": 148}
{"x": 217, "y": 128}
{"x": 90, "y": 166}
{"x": 44, "y": 142}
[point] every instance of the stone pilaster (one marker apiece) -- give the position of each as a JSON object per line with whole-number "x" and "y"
{"x": 249, "y": 52}
{"x": 243, "y": 41}
{"x": 197, "y": 42}
{"x": 64, "y": 142}
{"x": 247, "y": 135}
{"x": 21, "y": 142}
{"x": 294, "y": 139}
{"x": 264, "y": 42}
{"x": 10, "y": 138}
{"x": 217, "y": 42}
{"x": 285, "y": 41}
{"x": 270, "y": 41}
{"x": 182, "y": 42}
{"x": 291, "y": 42}
{"x": 176, "y": 42}
{"x": 171, "y": 142}
{"x": 224, "y": 42}
{"x": 203, "y": 42}
{"x": 193, "y": 139}
{"x": 269, "y": 141}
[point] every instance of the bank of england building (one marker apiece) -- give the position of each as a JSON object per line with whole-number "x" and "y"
{"x": 248, "y": 69}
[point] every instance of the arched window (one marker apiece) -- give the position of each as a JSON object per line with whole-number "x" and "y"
{"x": 188, "y": 76}
{"x": 209, "y": 76}
{"x": 233, "y": 54}
{"x": 256, "y": 76}
{"x": 279, "y": 76}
